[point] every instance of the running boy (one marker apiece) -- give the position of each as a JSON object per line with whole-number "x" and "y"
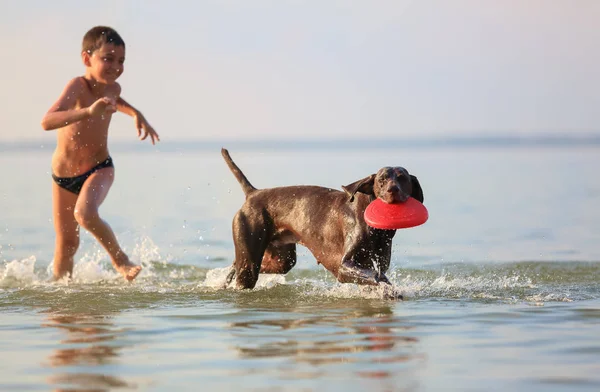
{"x": 82, "y": 168}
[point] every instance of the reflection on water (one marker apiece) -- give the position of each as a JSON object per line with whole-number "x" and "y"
{"x": 369, "y": 341}
{"x": 87, "y": 343}
{"x": 282, "y": 340}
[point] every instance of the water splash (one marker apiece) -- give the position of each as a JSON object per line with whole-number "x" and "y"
{"x": 529, "y": 282}
{"x": 18, "y": 272}
{"x": 216, "y": 279}
{"x": 93, "y": 266}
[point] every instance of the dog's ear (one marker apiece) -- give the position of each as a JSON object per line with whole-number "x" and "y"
{"x": 364, "y": 186}
{"x": 417, "y": 191}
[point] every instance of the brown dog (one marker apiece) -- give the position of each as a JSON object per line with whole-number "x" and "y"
{"x": 328, "y": 222}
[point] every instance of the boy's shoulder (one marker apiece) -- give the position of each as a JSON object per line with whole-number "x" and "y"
{"x": 77, "y": 85}
{"x": 78, "y": 82}
{"x": 79, "y": 88}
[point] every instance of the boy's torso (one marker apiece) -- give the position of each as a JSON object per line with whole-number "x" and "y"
{"x": 81, "y": 145}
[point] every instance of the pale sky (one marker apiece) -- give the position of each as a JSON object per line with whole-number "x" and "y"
{"x": 316, "y": 69}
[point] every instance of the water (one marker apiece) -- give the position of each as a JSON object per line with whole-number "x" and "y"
{"x": 501, "y": 284}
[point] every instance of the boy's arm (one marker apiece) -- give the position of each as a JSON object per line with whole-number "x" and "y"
{"x": 141, "y": 124}
{"x": 124, "y": 107}
{"x": 62, "y": 113}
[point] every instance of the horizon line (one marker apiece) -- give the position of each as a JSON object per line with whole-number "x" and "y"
{"x": 454, "y": 141}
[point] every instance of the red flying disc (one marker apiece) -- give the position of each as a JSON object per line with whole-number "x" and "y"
{"x": 382, "y": 215}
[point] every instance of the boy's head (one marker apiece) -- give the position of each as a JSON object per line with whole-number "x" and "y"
{"x": 103, "y": 53}
{"x": 98, "y": 36}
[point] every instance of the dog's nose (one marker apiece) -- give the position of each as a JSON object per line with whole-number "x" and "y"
{"x": 393, "y": 189}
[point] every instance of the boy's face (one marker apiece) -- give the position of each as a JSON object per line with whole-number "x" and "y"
{"x": 106, "y": 63}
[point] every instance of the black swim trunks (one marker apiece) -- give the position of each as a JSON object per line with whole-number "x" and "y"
{"x": 74, "y": 184}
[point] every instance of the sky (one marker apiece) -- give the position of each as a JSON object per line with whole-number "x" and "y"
{"x": 321, "y": 69}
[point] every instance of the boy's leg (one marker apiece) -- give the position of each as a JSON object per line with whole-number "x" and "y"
{"x": 66, "y": 229}
{"x": 92, "y": 195}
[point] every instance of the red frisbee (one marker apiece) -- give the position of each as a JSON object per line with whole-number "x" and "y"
{"x": 382, "y": 215}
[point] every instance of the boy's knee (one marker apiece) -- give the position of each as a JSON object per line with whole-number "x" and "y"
{"x": 86, "y": 216}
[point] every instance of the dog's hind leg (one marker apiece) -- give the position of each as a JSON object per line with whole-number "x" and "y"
{"x": 278, "y": 259}
{"x": 251, "y": 235}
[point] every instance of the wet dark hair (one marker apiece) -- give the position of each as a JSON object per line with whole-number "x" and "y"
{"x": 98, "y": 36}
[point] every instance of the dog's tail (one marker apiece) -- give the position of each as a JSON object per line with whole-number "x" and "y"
{"x": 246, "y": 186}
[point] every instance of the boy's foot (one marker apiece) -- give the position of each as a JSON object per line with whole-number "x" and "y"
{"x": 128, "y": 270}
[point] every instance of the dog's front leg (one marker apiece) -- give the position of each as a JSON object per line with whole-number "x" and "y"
{"x": 353, "y": 267}
{"x": 349, "y": 272}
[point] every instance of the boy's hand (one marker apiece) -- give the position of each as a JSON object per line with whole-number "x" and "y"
{"x": 102, "y": 106}
{"x": 144, "y": 129}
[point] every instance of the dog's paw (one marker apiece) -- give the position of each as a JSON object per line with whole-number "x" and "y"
{"x": 381, "y": 278}
{"x": 394, "y": 297}
{"x": 390, "y": 292}
{"x": 229, "y": 278}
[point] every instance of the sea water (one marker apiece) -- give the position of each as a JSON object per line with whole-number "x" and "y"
{"x": 501, "y": 285}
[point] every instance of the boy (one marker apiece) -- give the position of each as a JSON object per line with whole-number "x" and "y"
{"x": 82, "y": 168}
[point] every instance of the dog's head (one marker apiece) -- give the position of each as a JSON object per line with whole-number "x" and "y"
{"x": 390, "y": 184}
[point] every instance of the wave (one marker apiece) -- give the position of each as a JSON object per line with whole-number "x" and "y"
{"x": 532, "y": 282}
